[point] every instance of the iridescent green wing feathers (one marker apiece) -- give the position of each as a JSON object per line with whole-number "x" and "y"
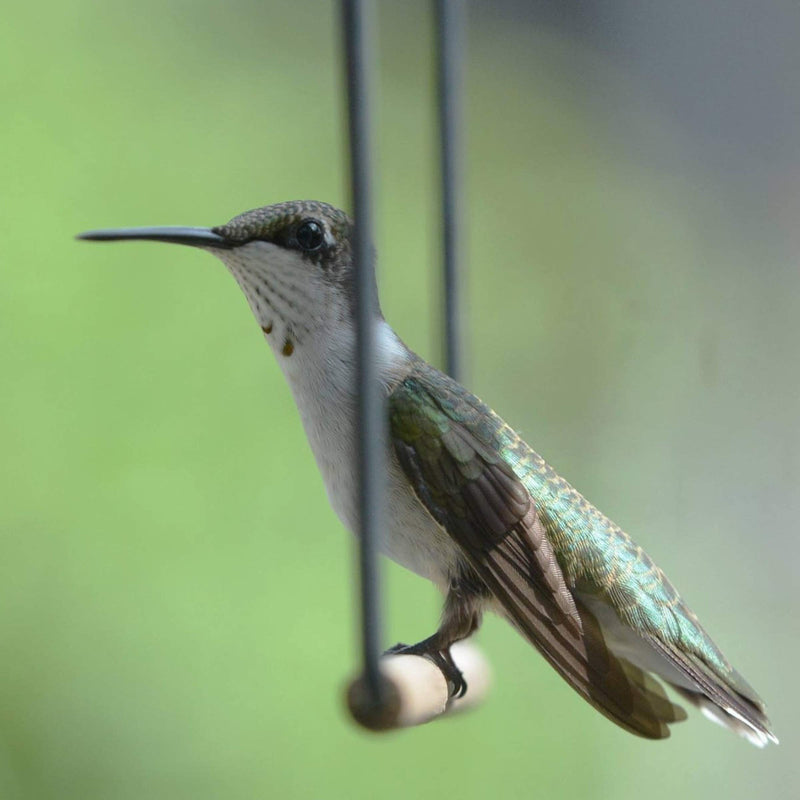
{"x": 538, "y": 545}
{"x": 446, "y": 442}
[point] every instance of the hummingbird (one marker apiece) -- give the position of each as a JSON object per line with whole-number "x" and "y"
{"x": 470, "y": 506}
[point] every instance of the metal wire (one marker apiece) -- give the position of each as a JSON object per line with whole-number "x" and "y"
{"x": 357, "y": 28}
{"x": 358, "y": 38}
{"x": 449, "y": 68}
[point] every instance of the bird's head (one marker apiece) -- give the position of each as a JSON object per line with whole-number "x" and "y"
{"x": 292, "y": 260}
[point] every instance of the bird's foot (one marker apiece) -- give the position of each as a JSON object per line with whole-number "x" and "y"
{"x": 442, "y": 659}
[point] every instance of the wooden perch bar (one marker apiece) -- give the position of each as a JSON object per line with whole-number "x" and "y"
{"x": 416, "y": 691}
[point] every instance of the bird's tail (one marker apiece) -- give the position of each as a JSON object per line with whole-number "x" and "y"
{"x": 755, "y": 727}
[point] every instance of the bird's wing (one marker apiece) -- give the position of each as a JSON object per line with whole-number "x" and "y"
{"x": 442, "y": 444}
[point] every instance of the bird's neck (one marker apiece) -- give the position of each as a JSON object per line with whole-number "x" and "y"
{"x": 321, "y": 373}
{"x": 323, "y": 363}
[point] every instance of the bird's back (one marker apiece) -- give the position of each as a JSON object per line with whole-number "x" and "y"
{"x": 643, "y": 617}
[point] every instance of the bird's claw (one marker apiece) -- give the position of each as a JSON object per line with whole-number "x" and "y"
{"x": 441, "y": 659}
{"x": 454, "y": 676}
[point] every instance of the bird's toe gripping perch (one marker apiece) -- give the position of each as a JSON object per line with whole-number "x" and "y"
{"x": 442, "y": 659}
{"x": 417, "y": 690}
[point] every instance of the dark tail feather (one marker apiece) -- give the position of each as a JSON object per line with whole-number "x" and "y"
{"x": 616, "y": 688}
{"x": 662, "y": 706}
{"x": 754, "y": 728}
{"x": 718, "y": 699}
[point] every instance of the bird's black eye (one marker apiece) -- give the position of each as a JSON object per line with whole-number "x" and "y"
{"x": 310, "y": 235}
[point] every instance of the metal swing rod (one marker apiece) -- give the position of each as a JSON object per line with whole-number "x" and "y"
{"x": 358, "y": 34}
{"x": 357, "y": 23}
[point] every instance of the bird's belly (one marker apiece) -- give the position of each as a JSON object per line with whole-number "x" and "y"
{"x": 414, "y": 539}
{"x": 410, "y": 535}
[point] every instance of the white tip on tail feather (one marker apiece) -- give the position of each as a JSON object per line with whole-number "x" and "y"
{"x": 729, "y": 718}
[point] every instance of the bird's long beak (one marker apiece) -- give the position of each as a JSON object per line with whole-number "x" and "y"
{"x": 196, "y": 237}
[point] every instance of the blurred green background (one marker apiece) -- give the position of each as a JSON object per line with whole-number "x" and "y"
{"x": 176, "y": 598}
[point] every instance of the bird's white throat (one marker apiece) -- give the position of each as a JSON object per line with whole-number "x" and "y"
{"x": 293, "y": 305}
{"x": 309, "y": 326}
